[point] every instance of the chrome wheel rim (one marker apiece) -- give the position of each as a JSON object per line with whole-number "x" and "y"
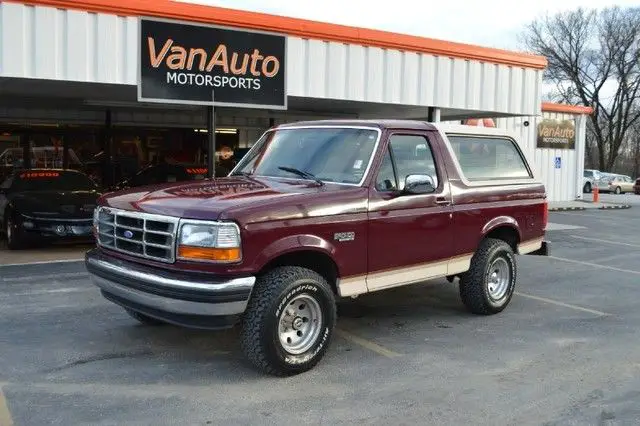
{"x": 299, "y": 324}
{"x": 498, "y": 278}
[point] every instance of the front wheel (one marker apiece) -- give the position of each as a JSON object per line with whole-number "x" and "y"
{"x": 289, "y": 321}
{"x": 587, "y": 188}
{"x": 14, "y": 240}
{"x": 488, "y": 286}
{"x": 618, "y": 190}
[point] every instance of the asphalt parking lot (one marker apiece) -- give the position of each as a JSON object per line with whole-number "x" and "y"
{"x": 564, "y": 352}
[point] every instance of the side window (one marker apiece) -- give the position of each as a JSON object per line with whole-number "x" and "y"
{"x": 411, "y": 155}
{"x": 489, "y": 158}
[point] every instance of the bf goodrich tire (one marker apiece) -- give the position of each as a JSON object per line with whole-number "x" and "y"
{"x": 488, "y": 286}
{"x": 289, "y": 321}
{"x": 144, "y": 319}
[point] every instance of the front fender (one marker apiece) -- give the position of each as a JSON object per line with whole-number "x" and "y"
{"x": 291, "y": 244}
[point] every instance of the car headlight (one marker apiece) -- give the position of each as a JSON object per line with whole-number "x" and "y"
{"x": 209, "y": 241}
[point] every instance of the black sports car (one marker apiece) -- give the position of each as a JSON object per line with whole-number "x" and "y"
{"x": 47, "y": 204}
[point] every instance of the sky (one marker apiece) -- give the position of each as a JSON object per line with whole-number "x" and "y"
{"x": 491, "y": 23}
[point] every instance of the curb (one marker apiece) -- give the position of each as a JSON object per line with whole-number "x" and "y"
{"x": 615, "y": 206}
{"x": 564, "y": 209}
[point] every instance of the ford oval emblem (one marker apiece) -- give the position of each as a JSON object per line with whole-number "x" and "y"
{"x": 128, "y": 234}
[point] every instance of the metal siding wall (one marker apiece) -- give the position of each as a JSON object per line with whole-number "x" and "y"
{"x": 50, "y": 43}
{"x": 370, "y": 74}
{"x": 45, "y": 42}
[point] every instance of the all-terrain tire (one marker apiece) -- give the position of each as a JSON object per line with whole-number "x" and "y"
{"x": 272, "y": 298}
{"x": 475, "y": 283}
{"x": 144, "y": 319}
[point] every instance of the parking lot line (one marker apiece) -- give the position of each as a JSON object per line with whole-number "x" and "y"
{"x": 5, "y": 414}
{"x": 367, "y": 344}
{"x": 566, "y": 305}
{"x": 598, "y": 240}
{"x": 595, "y": 265}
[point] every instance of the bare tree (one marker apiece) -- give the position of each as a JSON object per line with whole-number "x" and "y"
{"x": 593, "y": 61}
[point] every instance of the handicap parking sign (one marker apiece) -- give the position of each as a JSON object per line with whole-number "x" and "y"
{"x": 558, "y": 162}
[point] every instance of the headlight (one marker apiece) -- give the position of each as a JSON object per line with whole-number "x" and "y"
{"x": 207, "y": 241}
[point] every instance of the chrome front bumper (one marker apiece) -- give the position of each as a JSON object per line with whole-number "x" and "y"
{"x": 188, "y": 299}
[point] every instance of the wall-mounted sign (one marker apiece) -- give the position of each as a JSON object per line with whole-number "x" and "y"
{"x": 558, "y": 162}
{"x": 185, "y": 63}
{"x": 557, "y": 134}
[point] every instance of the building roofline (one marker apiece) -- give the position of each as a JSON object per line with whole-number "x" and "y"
{"x": 303, "y": 28}
{"x": 566, "y": 109}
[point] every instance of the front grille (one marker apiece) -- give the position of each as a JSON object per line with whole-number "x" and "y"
{"x": 138, "y": 234}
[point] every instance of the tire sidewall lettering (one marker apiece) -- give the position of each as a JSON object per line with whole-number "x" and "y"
{"x": 293, "y": 292}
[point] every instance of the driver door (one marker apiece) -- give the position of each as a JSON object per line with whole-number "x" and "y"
{"x": 410, "y": 235}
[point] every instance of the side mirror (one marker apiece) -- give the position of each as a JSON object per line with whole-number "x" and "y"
{"x": 419, "y": 184}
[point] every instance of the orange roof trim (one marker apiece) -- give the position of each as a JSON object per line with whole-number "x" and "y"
{"x": 567, "y": 109}
{"x": 296, "y": 27}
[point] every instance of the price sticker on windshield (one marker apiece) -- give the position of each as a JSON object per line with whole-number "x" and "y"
{"x": 35, "y": 175}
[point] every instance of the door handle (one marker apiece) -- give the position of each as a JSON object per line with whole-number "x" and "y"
{"x": 442, "y": 201}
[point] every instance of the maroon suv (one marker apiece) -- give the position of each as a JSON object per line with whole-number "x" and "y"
{"x": 319, "y": 211}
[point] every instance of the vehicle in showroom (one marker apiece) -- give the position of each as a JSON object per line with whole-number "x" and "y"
{"x": 163, "y": 173}
{"x": 316, "y": 212}
{"x": 46, "y": 205}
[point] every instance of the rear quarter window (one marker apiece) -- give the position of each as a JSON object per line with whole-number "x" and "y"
{"x": 484, "y": 158}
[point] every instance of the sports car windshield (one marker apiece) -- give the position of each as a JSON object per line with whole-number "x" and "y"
{"x": 44, "y": 180}
{"x": 329, "y": 154}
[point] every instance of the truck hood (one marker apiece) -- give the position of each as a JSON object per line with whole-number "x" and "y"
{"x": 209, "y": 199}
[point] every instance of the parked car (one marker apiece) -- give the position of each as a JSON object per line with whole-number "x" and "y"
{"x": 47, "y": 205}
{"x": 589, "y": 180}
{"x": 620, "y": 184}
{"x": 315, "y": 212}
{"x": 163, "y": 173}
{"x": 636, "y": 186}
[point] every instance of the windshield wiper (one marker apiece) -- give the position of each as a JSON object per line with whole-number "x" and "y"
{"x": 300, "y": 173}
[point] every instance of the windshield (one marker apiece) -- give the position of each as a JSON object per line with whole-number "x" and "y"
{"x": 52, "y": 180}
{"x": 330, "y": 154}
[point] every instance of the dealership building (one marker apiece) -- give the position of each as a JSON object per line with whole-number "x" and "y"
{"x": 122, "y": 82}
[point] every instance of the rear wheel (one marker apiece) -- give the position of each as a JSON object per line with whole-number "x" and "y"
{"x": 488, "y": 286}
{"x": 618, "y": 190}
{"x": 289, "y": 321}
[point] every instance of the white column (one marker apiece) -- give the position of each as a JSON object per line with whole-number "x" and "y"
{"x": 581, "y": 144}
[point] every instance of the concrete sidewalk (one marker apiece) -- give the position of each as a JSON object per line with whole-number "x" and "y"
{"x": 585, "y": 205}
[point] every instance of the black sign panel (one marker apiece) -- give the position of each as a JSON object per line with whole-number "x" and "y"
{"x": 556, "y": 134}
{"x": 191, "y": 64}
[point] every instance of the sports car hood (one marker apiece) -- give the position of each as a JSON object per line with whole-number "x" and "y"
{"x": 55, "y": 204}
{"x": 210, "y": 199}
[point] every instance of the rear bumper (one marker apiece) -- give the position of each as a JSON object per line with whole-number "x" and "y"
{"x": 193, "y": 300}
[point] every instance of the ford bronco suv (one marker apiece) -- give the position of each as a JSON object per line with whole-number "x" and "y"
{"x": 318, "y": 211}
